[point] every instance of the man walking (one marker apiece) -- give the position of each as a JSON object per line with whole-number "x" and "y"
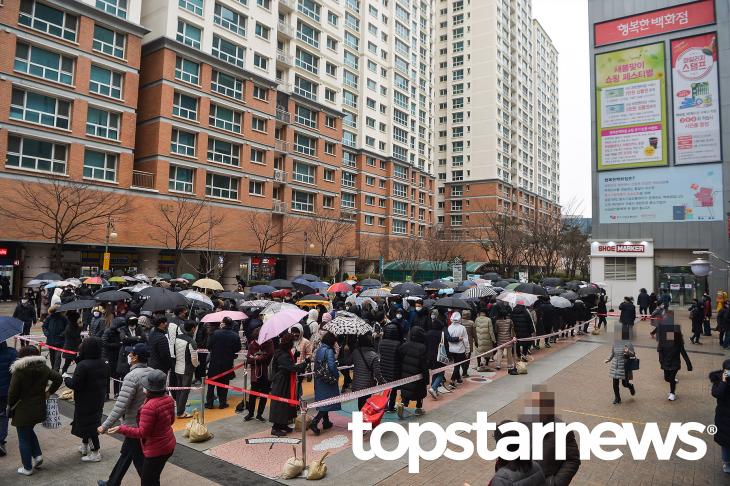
{"x": 130, "y": 399}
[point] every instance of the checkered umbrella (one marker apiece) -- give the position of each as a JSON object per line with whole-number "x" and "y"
{"x": 478, "y": 292}
{"x": 375, "y": 293}
{"x": 275, "y": 307}
{"x": 257, "y": 303}
{"x": 347, "y": 323}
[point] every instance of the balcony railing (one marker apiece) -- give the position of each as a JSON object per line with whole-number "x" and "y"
{"x": 283, "y": 58}
{"x": 281, "y": 146}
{"x": 145, "y": 180}
{"x": 285, "y": 28}
{"x": 282, "y": 114}
{"x": 278, "y": 207}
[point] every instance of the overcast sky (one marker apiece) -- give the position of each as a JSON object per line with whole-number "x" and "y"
{"x": 566, "y": 22}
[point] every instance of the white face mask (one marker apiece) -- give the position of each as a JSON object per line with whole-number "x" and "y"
{"x": 129, "y": 359}
{"x": 97, "y": 314}
{"x": 24, "y": 301}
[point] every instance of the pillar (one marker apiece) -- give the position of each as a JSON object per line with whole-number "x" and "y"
{"x": 347, "y": 266}
{"x": 231, "y": 268}
{"x": 37, "y": 260}
{"x": 294, "y": 265}
{"x": 148, "y": 262}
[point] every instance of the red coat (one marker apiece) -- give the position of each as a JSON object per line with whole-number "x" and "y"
{"x": 155, "y": 421}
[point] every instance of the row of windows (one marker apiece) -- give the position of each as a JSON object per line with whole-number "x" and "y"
{"x": 221, "y": 83}
{"x": 185, "y": 106}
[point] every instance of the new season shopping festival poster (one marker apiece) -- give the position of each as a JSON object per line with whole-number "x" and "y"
{"x": 677, "y": 193}
{"x": 696, "y": 99}
{"x": 631, "y": 108}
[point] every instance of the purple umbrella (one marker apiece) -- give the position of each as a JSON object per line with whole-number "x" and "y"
{"x": 278, "y": 323}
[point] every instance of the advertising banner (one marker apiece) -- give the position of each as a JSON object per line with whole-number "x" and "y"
{"x": 672, "y": 19}
{"x": 696, "y": 100}
{"x": 631, "y": 108}
{"x": 678, "y": 193}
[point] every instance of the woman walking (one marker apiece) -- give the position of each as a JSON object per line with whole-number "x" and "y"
{"x": 88, "y": 382}
{"x": 697, "y": 316}
{"x": 284, "y": 384}
{"x": 367, "y": 367}
{"x": 325, "y": 388}
{"x": 29, "y": 387}
{"x": 413, "y": 354}
{"x": 622, "y": 351}
{"x": 721, "y": 393}
{"x": 259, "y": 357}
{"x": 155, "y": 427}
{"x": 670, "y": 348}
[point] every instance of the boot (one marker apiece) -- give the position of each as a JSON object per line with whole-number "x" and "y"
{"x": 314, "y": 429}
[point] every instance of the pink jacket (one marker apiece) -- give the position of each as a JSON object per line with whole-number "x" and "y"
{"x": 155, "y": 421}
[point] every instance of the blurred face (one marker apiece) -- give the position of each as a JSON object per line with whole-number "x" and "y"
{"x": 295, "y": 333}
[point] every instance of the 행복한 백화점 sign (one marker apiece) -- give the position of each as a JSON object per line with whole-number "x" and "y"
{"x": 631, "y": 108}
{"x": 679, "y": 193}
{"x": 696, "y": 100}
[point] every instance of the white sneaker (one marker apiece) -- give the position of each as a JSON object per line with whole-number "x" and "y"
{"x": 434, "y": 394}
{"x": 37, "y": 462}
{"x": 92, "y": 456}
{"x": 83, "y": 449}
{"x": 24, "y": 471}
{"x": 672, "y": 397}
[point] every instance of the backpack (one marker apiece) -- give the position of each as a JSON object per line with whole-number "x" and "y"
{"x": 306, "y": 331}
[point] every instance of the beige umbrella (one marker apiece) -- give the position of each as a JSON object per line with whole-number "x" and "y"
{"x": 207, "y": 283}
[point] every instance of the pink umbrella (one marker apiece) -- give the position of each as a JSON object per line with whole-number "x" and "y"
{"x": 340, "y": 287}
{"x": 279, "y": 322}
{"x": 219, "y": 316}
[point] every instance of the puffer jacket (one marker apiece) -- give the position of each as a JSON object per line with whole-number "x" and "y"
{"x": 155, "y": 427}
{"x": 367, "y": 368}
{"x": 618, "y": 360}
{"x": 54, "y": 328}
{"x": 28, "y": 387}
{"x": 7, "y": 357}
{"x": 522, "y": 322}
{"x": 415, "y": 360}
{"x": 89, "y": 383}
{"x": 485, "y": 338}
{"x": 506, "y": 476}
{"x": 112, "y": 340}
{"x": 505, "y": 331}
{"x": 130, "y": 399}
{"x": 390, "y": 364}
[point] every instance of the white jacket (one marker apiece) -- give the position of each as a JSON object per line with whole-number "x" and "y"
{"x": 180, "y": 345}
{"x": 457, "y": 330}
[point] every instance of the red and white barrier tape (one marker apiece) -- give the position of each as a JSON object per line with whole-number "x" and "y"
{"x": 252, "y": 392}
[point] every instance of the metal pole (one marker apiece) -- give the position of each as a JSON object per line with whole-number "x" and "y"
{"x": 303, "y": 418}
{"x": 304, "y": 263}
{"x": 245, "y": 386}
{"x": 202, "y": 401}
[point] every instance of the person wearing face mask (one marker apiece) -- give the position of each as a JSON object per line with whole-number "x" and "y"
{"x": 421, "y": 318}
{"x": 26, "y": 312}
{"x": 129, "y": 335}
{"x": 186, "y": 360}
{"x": 302, "y": 351}
{"x": 96, "y": 326}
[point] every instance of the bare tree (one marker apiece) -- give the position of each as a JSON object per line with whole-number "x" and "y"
{"x": 332, "y": 235}
{"x": 500, "y": 236}
{"x": 409, "y": 251}
{"x": 576, "y": 250}
{"x": 270, "y": 232}
{"x": 184, "y": 223}
{"x": 61, "y": 211}
{"x": 441, "y": 248}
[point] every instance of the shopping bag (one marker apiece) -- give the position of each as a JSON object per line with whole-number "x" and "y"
{"x": 374, "y": 408}
{"x": 293, "y": 467}
{"x": 198, "y": 432}
{"x": 443, "y": 356}
{"x": 298, "y": 423}
{"x": 53, "y": 418}
{"x": 318, "y": 469}
{"x": 521, "y": 368}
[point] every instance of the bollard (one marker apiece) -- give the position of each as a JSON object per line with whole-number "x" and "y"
{"x": 202, "y": 400}
{"x": 246, "y": 398}
{"x": 303, "y": 418}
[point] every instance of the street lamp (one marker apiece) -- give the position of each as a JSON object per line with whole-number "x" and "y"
{"x": 110, "y": 234}
{"x": 702, "y": 268}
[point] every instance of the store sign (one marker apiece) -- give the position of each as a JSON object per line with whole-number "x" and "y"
{"x": 266, "y": 261}
{"x": 696, "y": 100}
{"x": 631, "y": 108}
{"x": 3, "y": 252}
{"x": 622, "y": 248}
{"x": 662, "y": 21}
{"x": 680, "y": 193}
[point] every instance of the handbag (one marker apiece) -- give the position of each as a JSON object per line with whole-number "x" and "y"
{"x": 53, "y": 417}
{"x": 322, "y": 372}
{"x": 632, "y": 364}
{"x": 443, "y": 356}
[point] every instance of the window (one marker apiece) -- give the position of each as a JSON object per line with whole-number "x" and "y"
{"x": 100, "y": 166}
{"x": 305, "y": 145}
{"x": 370, "y": 180}
{"x": 309, "y": 8}
{"x": 305, "y": 116}
{"x": 369, "y": 220}
{"x": 302, "y": 201}
{"x": 188, "y": 34}
{"x": 229, "y": 19}
{"x": 221, "y": 186}
{"x": 347, "y": 200}
{"x": 227, "y": 85}
{"x": 307, "y": 33}
{"x": 330, "y": 121}
{"x": 48, "y": 19}
{"x": 619, "y": 268}
{"x": 260, "y": 93}
{"x": 399, "y": 227}
{"x": 185, "y": 106}
{"x": 33, "y": 154}
{"x": 108, "y": 41}
{"x": 348, "y": 179}
{"x": 187, "y": 70}
{"x": 329, "y": 175}
{"x": 261, "y": 62}
{"x": 114, "y": 7}
{"x": 258, "y": 124}
{"x": 304, "y": 173}
{"x": 40, "y": 109}
{"x": 228, "y": 51}
{"x": 183, "y": 143}
{"x": 45, "y": 64}
{"x": 381, "y": 202}
{"x": 329, "y": 148}
{"x": 262, "y": 31}
{"x": 194, "y": 6}
{"x": 181, "y": 179}
{"x": 256, "y": 188}
{"x": 370, "y": 200}
{"x": 399, "y": 190}
{"x": 332, "y": 18}
{"x": 328, "y": 202}
{"x": 223, "y": 152}
{"x": 329, "y": 95}
{"x": 305, "y": 87}
{"x": 105, "y": 82}
{"x": 399, "y": 208}
{"x": 307, "y": 61}
{"x": 264, "y": 4}
{"x": 101, "y": 123}
{"x": 258, "y": 156}
{"x": 331, "y": 69}
{"x": 456, "y": 220}
{"x": 331, "y": 44}
{"x": 225, "y": 118}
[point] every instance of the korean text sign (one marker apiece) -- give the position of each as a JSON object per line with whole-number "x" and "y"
{"x": 696, "y": 98}
{"x": 631, "y": 108}
{"x": 677, "y": 193}
{"x": 663, "y": 21}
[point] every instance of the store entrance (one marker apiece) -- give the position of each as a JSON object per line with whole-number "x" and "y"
{"x": 682, "y": 284}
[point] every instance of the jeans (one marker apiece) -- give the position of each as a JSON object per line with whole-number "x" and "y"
{"x": 643, "y": 310}
{"x": 130, "y": 453}
{"x": 182, "y": 395}
{"x": 722, "y": 337}
{"x": 260, "y": 385}
{"x": 28, "y": 445}
{"x": 464, "y": 368}
{"x": 152, "y": 469}
{"x": 696, "y": 336}
{"x": 456, "y": 374}
{"x": 3, "y": 419}
{"x": 601, "y": 321}
{"x": 726, "y": 341}
{"x": 437, "y": 380}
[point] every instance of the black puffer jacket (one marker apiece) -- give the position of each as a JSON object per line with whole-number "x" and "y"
{"x": 721, "y": 392}
{"x": 422, "y": 319}
{"x": 112, "y": 341}
{"x": 550, "y": 317}
{"x": 390, "y": 364}
{"x": 89, "y": 383}
{"x": 670, "y": 352}
{"x": 415, "y": 361}
{"x": 522, "y": 322}
{"x": 433, "y": 339}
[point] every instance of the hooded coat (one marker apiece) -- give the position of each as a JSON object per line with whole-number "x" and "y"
{"x": 390, "y": 362}
{"x": 522, "y": 321}
{"x": 27, "y": 392}
{"x": 413, "y": 354}
{"x": 669, "y": 353}
{"x": 721, "y": 392}
{"x": 485, "y": 338}
{"x": 433, "y": 339}
{"x": 89, "y": 383}
{"x": 71, "y": 338}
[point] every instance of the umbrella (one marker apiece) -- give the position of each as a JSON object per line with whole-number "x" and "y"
{"x": 262, "y": 289}
{"x": 257, "y": 303}
{"x": 36, "y": 283}
{"x": 188, "y": 276}
{"x": 589, "y": 289}
{"x": 112, "y": 296}
{"x": 9, "y": 327}
{"x": 281, "y": 284}
{"x": 515, "y": 298}
{"x": 452, "y": 303}
{"x": 501, "y": 283}
{"x": 117, "y": 280}
{"x": 275, "y": 307}
{"x": 408, "y": 288}
{"x": 280, "y": 322}
{"x": 552, "y": 282}
{"x": 280, "y": 294}
{"x": 340, "y": 287}
{"x": 165, "y": 300}
{"x": 555, "y": 291}
{"x": 136, "y": 288}
{"x": 437, "y": 285}
{"x": 94, "y": 281}
{"x": 141, "y": 277}
{"x": 370, "y": 282}
{"x": 319, "y": 286}
{"x": 314, "y": 297}
{"x": 570, "y": 295}
{"x": 197, "y": 297}
{"x": 573, "y": 285}
{"x": 308, "y": 277}
{"x": 493, "y": 276}
{"x": 446, "y": 291}
{"x": 530, "y": 288}
{"x": 375, "y": 293}
{"x": 512, "y": 286}
{"x": 351, "y": 282}
{"x": 230, "y": 295}
{"x": 56, "y": 284}
{"x": 304, "y": 286}
{"x": 347, "y": 323}
{"x": 208, "y": 283}
{"x": 149, "y": 291}
{"x": 478, "y": 292}
{"x": 127, "y": 278}
{"x": 466, "y": 284}
{"x": 359, "y": 300}
{"x": 47, "y": 276}
{"x": 164, "y": 276}
{"x": 560, "y": 302}
{"x": 219, "y": 316}
{"x": 77, "y": 305}
{"x": 74, "y": 282}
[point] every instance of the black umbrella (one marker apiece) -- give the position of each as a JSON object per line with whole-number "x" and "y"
{"x": 408, "y": 288}
{"x": 48, "y": 276}
{"x": 552, "y": 281}
{"x": 555, "y": 291}
{"x": 452, "y": 303}
{"x": 308, "y": 277}
{"x": 77, "y": 305}
{"x": 531, "y": 288}
{"x": 314, "y": 297}
{"x": 281, "y": 284}
{"x": 370, "y": 282}
{"x": 304, "y": 288}
{"x": 113, "y": 296}
{"x": 437, "y": 285}
{"x": 573, "y": 285}
{"x": 589, "y": 289}
{"x": 493, "y": 276}
{"x": 165, "y": 300}
{"x": 428, "y": 303}
{"x": 502, "y": 283}
{"x": 465, "y": 285}
{"x": 230, "y": 295}
{"x": 570, "y": 295}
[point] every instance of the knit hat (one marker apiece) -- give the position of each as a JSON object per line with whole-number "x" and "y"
{"x": 455, "y": 317}
{"x": 327, "y": 317}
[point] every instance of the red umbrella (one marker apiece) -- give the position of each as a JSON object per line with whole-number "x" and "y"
{"x": 280, "y": 294}
{"x": 340, "y": 287}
